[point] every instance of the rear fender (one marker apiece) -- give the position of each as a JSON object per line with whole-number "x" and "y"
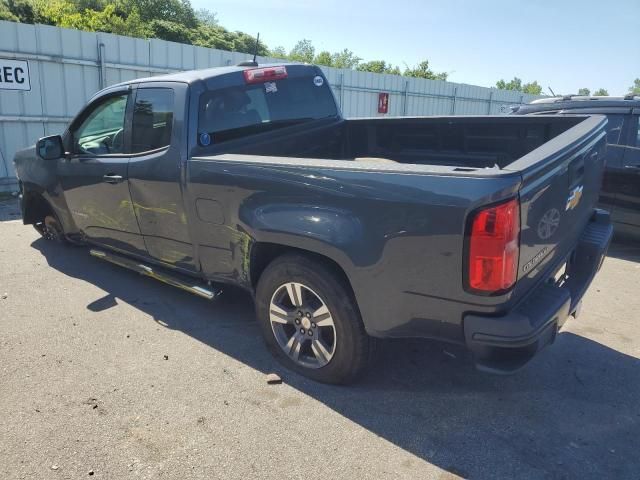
{"x": 330, "y": 232}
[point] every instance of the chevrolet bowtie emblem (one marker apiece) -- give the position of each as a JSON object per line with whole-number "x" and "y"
{"x": 574, "y": 198}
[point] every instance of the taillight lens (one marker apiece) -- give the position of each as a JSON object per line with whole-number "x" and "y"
{"x": 259, "y": 75}
{"x": 494, "y": 247}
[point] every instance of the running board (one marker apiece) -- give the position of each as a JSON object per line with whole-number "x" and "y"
{"x": 170, "y": 279}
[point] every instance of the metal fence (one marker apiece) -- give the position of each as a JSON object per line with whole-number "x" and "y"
{"x": 67, "y": 66}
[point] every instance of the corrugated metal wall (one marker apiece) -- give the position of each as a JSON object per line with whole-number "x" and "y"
{"x": 68, "y": 66}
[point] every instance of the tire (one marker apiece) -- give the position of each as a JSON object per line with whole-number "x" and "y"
{"x": 50, "y": 229}
{"x": 334, "y": 347}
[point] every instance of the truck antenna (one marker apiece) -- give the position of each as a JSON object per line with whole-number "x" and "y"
{"x": 253, "y": 62}
{"x": 552, "y": 93}
{"x": 255, "y": 50}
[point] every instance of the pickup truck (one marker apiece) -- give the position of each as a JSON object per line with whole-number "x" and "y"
{"x": 480, "y": 231}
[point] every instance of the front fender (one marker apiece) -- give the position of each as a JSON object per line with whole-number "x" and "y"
{"x": 40, "y": 178}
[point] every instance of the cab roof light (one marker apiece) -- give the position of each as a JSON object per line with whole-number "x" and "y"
{"x": 266, "y": 74}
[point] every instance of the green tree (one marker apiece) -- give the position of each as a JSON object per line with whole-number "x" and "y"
{"x": 243, "y": 42}
{"x": 378, "y": 66}
{"x": 635, "y": 88}
{"x": 516, "y": 84}
{"x": 324, "y": 58}
{"x": 17, "y": 11}
{"x": 207, "y": 17}
{"x": 170, "y": 31}
{"x": 532, "y": 88}
{"x": 173, "y": 20}
{"x": 65, "y": 14}
{"x": 601, "y": 92}
{"x": 584, "y": 91}
{"x": 278, "y": 52}
{"x": 345, "y": 59}
{"x": 175, "y": 11}
{"x": 422, "y": 70}
{"x": 219, "y": 37}
{"x": 303, "y": 51}
{"x": 6, "y": 13}
{"x": 212, "y": 37}
{"x": 82, "y": 5}
{"x": 56, "y": 12}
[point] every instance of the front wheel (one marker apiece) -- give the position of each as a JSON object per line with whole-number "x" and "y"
{"x": 310, "y": 321}
{"x": 50, "y": 229}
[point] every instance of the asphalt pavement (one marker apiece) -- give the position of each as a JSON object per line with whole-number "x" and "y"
{"x": 107, "y": 374}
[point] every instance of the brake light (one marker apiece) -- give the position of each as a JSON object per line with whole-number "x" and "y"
{"x": 494, "y": 247}
{"x": 258, "y": 75}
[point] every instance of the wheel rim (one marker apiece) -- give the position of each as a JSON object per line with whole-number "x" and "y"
{"x": 302, "y": 325}
{"x": 51, "y": 229}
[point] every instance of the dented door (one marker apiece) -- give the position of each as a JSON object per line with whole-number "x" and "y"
{"x": 155, "y": 172}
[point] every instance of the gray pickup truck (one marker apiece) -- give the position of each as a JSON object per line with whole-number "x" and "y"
{"x": 480, "y": 230}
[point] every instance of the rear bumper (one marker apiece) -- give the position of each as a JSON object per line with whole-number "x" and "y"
{"x": 506, "y": 343}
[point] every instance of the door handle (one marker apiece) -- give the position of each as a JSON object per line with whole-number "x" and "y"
{"x": 111, "y": 178}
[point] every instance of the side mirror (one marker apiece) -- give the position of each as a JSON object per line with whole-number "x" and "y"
{"x": 50, "y": 148}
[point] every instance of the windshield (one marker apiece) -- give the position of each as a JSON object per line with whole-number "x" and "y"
{"x": 236, "y": 112}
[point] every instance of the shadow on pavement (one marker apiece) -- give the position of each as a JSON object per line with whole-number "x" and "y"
{"x": 625, "y": 248}
{"x": 573, "y": 413}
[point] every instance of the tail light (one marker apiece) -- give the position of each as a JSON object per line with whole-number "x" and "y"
{"x": 494, "y": 247}
{"x": 259, "y": 75}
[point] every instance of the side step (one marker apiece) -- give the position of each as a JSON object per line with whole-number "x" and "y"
{"x": 182, "y": 282}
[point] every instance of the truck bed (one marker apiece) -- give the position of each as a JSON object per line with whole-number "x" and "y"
{"x": 412, "y": 202}
{"x": 464, "y": 142}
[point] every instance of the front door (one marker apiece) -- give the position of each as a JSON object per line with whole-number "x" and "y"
{"x": 94, "y": 176}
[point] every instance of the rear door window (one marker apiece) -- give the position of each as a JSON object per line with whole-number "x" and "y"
{"x": 239, "y": 111}
{"x": 152, "y": 119}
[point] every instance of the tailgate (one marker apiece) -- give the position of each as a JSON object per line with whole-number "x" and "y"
{"x": 561, "y": 181}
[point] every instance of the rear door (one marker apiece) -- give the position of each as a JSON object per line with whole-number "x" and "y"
{"x": 155, "y": 172}
{"x": 94, "y": 176}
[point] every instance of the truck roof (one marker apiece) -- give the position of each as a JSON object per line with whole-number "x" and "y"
{"x": 192, "y": 76}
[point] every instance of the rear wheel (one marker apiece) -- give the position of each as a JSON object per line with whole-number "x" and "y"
{"x": 310, "y": 320}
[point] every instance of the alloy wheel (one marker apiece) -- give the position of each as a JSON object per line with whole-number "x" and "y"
{"x": 302, "y": 325}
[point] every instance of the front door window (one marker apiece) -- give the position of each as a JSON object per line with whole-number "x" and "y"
{"x": 102, "y": 131}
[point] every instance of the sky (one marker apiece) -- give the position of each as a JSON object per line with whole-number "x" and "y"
{"x": 563, "y": 44}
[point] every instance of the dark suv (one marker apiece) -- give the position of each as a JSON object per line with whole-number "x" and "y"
{"x": 621, "y": 187}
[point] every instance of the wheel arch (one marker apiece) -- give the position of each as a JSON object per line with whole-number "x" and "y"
{"x": 264, "y": 253}
{"x": 34, "y": 206}
{"x": 37, "y": 202}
